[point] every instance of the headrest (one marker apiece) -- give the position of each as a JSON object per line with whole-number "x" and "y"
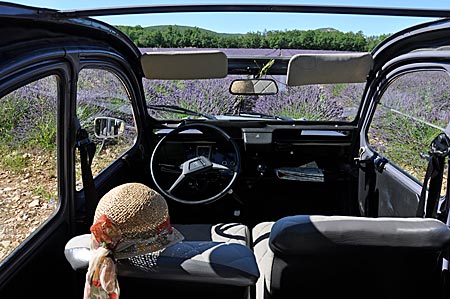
{"x": 184, "y": 65}
{"x": 304, "y": 69}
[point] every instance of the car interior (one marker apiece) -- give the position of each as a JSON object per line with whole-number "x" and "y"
{"x": 274, "y": 226}
{"x": 270, "y": 206}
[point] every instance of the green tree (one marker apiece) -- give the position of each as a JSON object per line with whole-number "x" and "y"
{"x": 320, "y": 39}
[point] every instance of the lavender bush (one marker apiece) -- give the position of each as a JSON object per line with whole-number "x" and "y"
{"x": 101, "y": 93}
{"x": 207, "y": 96}
{"x": 313, "y": 102}
{"x": 413, "y": 111}
{"x": 29, "y": 115}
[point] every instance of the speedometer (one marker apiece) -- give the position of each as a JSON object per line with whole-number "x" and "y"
{"x": 204, "y": 150}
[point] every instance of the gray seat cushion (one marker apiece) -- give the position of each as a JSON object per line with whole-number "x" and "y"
{"x": 215, "y": 254}
{"x": 197, "y": 261}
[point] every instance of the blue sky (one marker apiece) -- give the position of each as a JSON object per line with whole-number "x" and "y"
{"x": 253, "y": 22}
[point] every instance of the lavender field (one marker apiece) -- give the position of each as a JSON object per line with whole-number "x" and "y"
{"x": 242, "y": 51}
{"x": 328, "y": 103}
{"x": 399, "y": 129}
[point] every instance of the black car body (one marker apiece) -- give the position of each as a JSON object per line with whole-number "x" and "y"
{"x": 255, "y": 169}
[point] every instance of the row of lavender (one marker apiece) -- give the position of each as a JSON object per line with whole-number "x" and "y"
{"x": 312, "y": 102}
{"x": 244, "y": 51}
{"x": 28, "y": 116}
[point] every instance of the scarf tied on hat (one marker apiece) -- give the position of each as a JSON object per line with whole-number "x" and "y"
{"x": 101, "y": 277}
{"x": 107, "y": 244}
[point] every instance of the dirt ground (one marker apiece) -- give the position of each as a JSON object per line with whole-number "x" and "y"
{"x": 26, "y": 201}
{"x": 28, "y": 193}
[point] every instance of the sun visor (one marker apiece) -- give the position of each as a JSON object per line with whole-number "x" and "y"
{"x": 184, "y": 65}
{"x": 331, "y": 68}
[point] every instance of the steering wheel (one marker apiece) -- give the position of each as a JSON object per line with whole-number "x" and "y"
{"x": 195, "y": 164}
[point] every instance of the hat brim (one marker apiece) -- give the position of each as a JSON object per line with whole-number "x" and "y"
{"x": 141, "y": 247}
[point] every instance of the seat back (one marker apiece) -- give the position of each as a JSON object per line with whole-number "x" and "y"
{"x": 354, "y": 257}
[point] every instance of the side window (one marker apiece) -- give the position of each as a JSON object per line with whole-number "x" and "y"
{"x": 412, "y": 112}
{"x": 104, "y": 110}
{"x": 28, "y": 171}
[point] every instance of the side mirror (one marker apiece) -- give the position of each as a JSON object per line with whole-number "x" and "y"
{"x": 253, "y": 87}
{"x": 108, "y": 127}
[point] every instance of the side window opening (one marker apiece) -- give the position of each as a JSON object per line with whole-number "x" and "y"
{"x": 413, "y": 110}
{"x": 104, "y": 110}
{"x": 28, "y": 169}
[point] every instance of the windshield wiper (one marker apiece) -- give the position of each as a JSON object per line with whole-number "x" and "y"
{"x": 257, "y": 114}
{"x": 181, "y": 110}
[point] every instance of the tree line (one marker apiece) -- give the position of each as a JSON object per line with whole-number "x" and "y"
{"x": 319, "y": 39}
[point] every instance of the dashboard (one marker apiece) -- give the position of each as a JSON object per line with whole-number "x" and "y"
{"x": 288, "y": 165}
{"x": 262, "y": 148}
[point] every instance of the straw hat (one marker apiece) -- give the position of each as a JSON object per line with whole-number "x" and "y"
{"x": 142, "y": 217}
{"x": 130, "y": 220}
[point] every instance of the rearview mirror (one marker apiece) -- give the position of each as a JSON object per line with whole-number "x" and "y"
{"x": 253, "y": 87}
{"x": 108, "y": 127}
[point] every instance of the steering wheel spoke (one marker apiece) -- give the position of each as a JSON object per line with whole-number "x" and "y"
{"x": 177, "y": 183}
{"x": 191, "y": 167}
{"x": 220, "y": 167}
{"x": 169, "y": 168}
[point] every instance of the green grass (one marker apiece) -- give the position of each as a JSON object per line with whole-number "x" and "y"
{"x": 40, "y": 191}
{"x": 13, "y": 160}
{"x": 402, "y": 140}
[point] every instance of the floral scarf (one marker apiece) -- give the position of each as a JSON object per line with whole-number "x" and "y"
{"x": 101, "y": 277}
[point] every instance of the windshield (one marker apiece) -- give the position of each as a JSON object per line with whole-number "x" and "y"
{"x": 327, "y": 102}
{"x": 256, "y": 34}
{"x": 212, "y": 97}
